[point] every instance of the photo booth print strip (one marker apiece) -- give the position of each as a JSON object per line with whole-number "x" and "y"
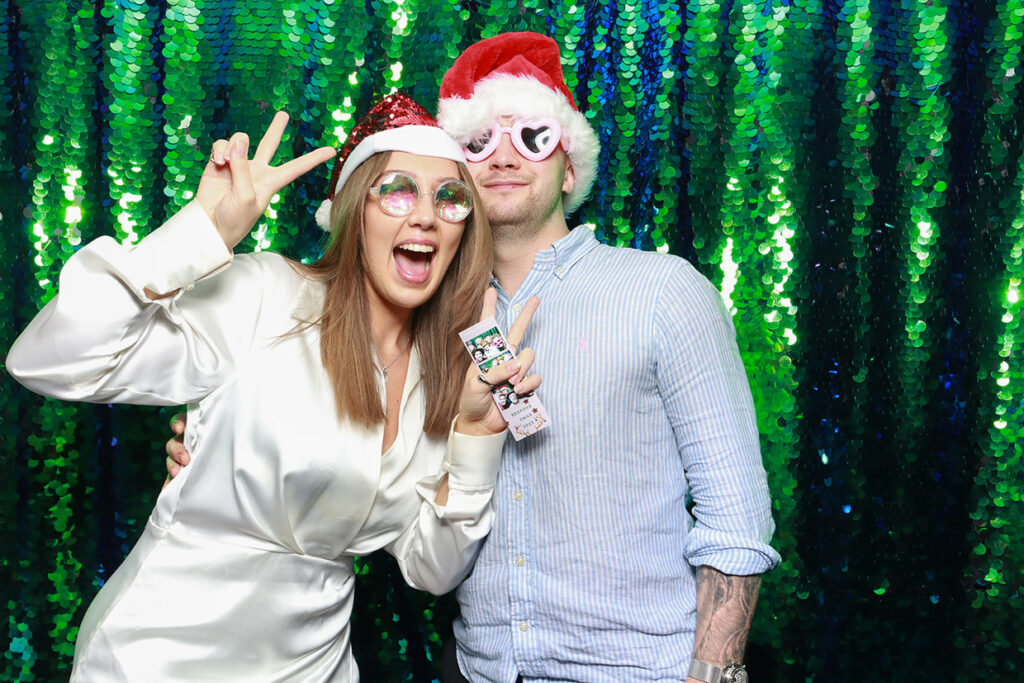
{"x": 488, "y": 347}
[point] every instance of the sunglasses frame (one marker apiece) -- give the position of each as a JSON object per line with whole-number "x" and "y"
{"x": 375, "y": 193}
{"x": 515, "y": 134}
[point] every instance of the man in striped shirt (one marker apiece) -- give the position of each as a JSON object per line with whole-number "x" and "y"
{"x": 595, "y": 570}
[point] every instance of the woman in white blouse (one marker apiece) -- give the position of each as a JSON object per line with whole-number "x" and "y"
{"x": 330, "y": 409}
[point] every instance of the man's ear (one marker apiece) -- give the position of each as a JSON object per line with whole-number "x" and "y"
{"x": 569, "y": 181}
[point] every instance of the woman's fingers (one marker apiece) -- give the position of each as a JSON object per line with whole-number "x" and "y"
{"x": 267, "y": 148}
{"x": 489, "y": 306}
{"x": 525, "y": 359}
{"x": 289, "y": 171}
{"x": 502, "y": 373}
{"x": 218, "y": 154}
{"x": 518, "y": 329}
{"x": 241, "y": 176}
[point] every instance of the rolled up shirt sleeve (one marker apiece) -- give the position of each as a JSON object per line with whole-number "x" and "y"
{"x": 707, "y": 398}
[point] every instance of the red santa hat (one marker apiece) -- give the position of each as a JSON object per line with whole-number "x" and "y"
{"x": 395, "y": 124}
{"x": 518, "y": 74}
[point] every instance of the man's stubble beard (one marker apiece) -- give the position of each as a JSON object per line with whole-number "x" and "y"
{"x": 519, "y": 222}
{"x": 514, "y": 224}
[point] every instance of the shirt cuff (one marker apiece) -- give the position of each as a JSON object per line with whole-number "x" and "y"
{"x": 472, "y": 461}
{"x": 185, "y": 249}
{"x": 730, "y": 553}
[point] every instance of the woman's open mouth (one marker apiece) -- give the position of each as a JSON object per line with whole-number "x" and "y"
{"x": 413, "y": 261}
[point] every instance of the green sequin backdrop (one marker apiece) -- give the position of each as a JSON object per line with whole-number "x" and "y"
{"x": 849, "y": 173}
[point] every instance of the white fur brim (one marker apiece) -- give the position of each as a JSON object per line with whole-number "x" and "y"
{"x": 323, "y": 215}
{"x": 428, "y": 141}
{"x": 506, "y": 95}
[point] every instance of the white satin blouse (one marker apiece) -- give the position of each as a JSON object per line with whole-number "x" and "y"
{"x": 244, "y": 571}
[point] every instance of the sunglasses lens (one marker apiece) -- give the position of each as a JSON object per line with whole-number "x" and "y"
{"x": 539, "y": 138}
{"x": 397, "y": 194}
{"x": 453, "y": 201}
{"x": 479, "y": 143}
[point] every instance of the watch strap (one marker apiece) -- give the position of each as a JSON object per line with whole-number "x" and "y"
{"x": 703, "y": 671}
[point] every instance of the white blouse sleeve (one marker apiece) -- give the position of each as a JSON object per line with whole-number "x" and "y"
{"x": 438, "y": 549}
{"x": 102, "y": 339}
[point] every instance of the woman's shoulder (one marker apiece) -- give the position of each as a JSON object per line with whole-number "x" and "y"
{"x": 274, "y": 279}
{"x": 272, "y": 268}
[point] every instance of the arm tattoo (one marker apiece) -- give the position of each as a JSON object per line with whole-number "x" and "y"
{"x": 725, "y": 609}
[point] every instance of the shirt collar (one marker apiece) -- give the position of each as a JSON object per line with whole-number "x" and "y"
{"x": 565, "y": 252}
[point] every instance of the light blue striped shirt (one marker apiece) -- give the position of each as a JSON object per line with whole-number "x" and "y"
{"x": 588, "y": 573}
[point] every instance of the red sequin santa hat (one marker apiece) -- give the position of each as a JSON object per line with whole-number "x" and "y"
{"x": 395, "y": 124}
{"x": 518, "y": 74}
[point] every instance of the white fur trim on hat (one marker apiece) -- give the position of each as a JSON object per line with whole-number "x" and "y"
{"x": 428, "y": 141}
{"x": 507, "y": 95}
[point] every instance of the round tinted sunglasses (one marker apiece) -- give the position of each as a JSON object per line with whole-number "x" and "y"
{"x": 397, "y": 194}
{"x": 536, "y": 139}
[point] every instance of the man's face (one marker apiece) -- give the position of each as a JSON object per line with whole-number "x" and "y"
{"x": 518, "y": 192}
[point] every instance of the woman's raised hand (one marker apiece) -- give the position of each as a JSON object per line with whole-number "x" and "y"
{"x": 235, "y": 190}
{"x": 478, "y": 413}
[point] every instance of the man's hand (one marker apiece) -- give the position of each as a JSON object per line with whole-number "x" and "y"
{"x": 725, "y": 609}
{"x": 177, "y": 456}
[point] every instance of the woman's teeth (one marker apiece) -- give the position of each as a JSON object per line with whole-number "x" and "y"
{"x": 422, "y": 248}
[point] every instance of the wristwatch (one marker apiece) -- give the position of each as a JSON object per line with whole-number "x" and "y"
{"x": 702, "y": 671}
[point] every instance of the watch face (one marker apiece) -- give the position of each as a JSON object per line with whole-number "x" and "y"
{"x": 734, "y": 674}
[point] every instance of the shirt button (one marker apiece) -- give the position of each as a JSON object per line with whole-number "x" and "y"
{"x": 523, "y": 626}
{"x": 518, "y": 495}
{"x": 560, "y": 271}
{"x": 520, "y": 561}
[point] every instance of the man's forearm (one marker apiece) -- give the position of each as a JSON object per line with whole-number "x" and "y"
{"x": 725, "y": 609}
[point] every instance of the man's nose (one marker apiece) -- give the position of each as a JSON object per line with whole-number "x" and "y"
{"x": 505, "y": 155}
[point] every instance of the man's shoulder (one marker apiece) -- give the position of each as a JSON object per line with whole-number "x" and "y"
{"x": 645, "y": 266}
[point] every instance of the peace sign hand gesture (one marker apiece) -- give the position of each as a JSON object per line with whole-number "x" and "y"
{"x": 478, "y": 413}
{"x": 235, "y": 191}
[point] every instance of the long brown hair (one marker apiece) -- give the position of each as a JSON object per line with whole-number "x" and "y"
{"x": 346, "y": 341}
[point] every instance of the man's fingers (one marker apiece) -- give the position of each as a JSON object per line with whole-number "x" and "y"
{"x": 489, "y": 306}
{"x": 176, "y": 452}
{"x": 172, "y": 468}
{"x": 288, "y": 172}
{"x": 515, "y": 334}
{"x": 178, "y": 423}
{"x": 267, "y": 148}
